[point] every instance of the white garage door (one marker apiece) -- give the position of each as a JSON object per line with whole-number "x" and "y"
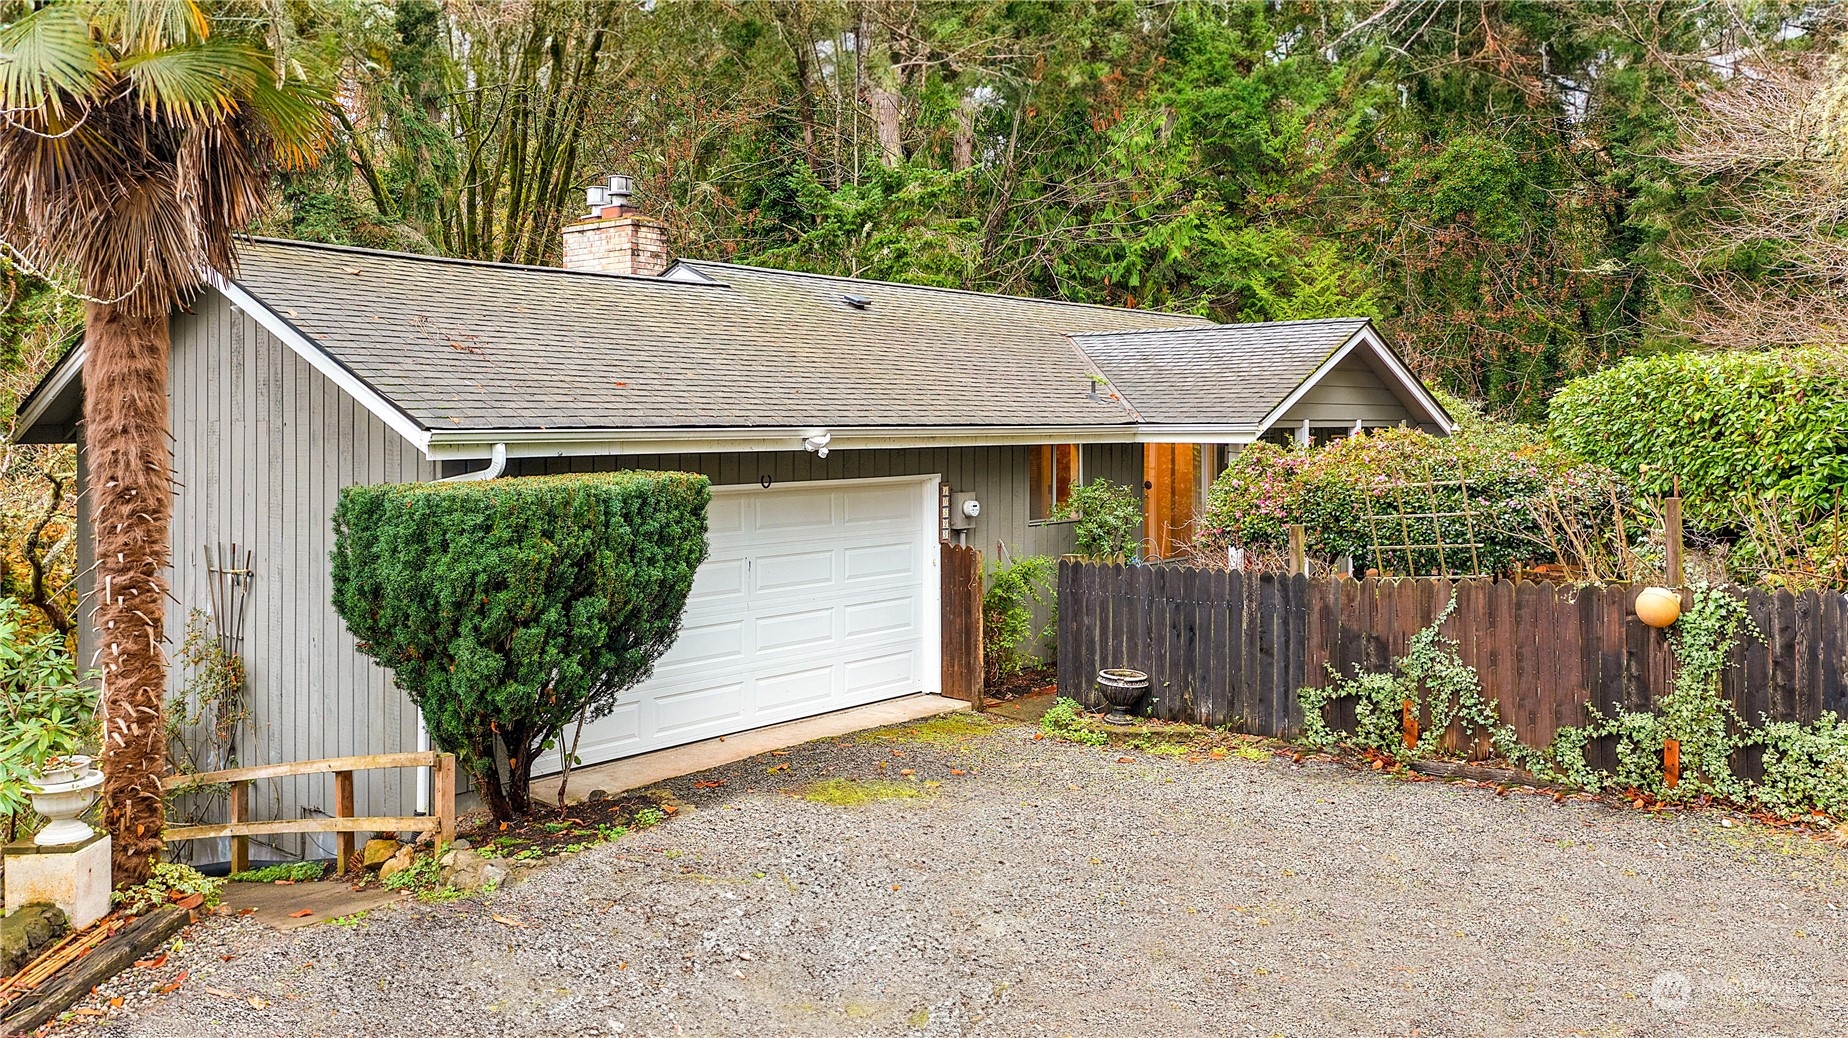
{"x": 813, "y": 597}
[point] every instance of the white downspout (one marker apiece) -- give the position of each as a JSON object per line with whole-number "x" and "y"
{"x": 497, "y": 464}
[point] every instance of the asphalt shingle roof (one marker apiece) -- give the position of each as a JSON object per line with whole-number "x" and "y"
{"x": 462, "y": 345}
{"x": 1232, "y": 374}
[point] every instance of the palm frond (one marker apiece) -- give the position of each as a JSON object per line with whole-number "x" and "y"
{"x": 297, "y": 118}
{"x": 146, "y": 26}
{"x": 47, "y": 59}
{"x": 198, "y": 82}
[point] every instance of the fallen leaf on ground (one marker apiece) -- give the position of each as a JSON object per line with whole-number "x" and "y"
{"x": 507, "y": 921}
{"x": 301, "y": 913}
{"x": 958, "y": 771}
{"x": 284, "y": 882}
{"x": 257, "y": 1002}
{"x": 173, "y": 985}
{"x": 246, "y": 911}
{"x": 86, "y": 1011}
{"x": 220, "y": 992}
{"x": 1126, "y": 760}
{"x": 907, "y": 771}
{"x": 669, "y": 808}
{"x": 154, "y": 963}
{"x": 709, "y": 784}
{"x": 1037, "y": 736}
{"x": 779, "y": 753}
{"x": 116, "y": 1002}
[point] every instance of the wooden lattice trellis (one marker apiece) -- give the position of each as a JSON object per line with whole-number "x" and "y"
{"x": 1406, "y": 547}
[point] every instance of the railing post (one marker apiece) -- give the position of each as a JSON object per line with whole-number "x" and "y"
{"x": 343, "y": 808}
{"x": 445, "y": 798}
{"x": 240, "y": 812}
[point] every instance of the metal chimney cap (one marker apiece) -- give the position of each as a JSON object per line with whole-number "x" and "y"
{"x": 621, "y": 189}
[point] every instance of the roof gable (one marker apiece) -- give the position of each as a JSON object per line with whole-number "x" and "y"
{"x": 1243, "y": 375}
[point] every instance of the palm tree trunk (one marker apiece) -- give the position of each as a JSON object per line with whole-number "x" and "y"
{"x": 126, "y": 442}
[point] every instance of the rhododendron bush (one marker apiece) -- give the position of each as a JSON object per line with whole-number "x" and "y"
{"x": 1495, "y": 486}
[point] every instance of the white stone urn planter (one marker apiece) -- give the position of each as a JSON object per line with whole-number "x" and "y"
{"x": 62, "y": 791}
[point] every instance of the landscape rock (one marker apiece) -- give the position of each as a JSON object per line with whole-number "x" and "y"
{"x": 378, "y": 852}
{"x": 27, "y": 932}
{"x": 397, "y": 863}
{"x": 598, "y": 794}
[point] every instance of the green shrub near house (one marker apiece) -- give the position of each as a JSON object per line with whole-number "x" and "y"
{"x": 506, "y": 608}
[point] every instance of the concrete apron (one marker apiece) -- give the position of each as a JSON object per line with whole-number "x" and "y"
{"x": 660, "y": 765}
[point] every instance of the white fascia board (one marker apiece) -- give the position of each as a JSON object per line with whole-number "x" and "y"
{"x": 1408, "y": 382}
{"x": 1194, "y": 434}
{"x": 69, "y": 370}
{"x": 460, "y": 445}
{"x": 354, "y": 386}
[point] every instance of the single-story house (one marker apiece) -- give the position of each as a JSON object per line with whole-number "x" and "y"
{"x": 835, "y": 416}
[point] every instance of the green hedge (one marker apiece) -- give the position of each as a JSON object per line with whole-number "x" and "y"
{"x": 505, "y": 607}
{"x": 1729, "y": 425}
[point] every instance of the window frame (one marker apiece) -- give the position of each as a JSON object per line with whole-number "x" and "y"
{"x": 1044, "y": 489}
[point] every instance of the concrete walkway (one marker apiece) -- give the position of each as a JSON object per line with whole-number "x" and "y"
{"x": 649, "y": 768}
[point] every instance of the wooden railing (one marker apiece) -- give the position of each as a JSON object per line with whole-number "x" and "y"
{"x": 240, "y": 829}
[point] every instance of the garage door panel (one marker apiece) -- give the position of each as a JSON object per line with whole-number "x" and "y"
{"x": 884, "y": 616}
{"x": 715, "y": 580}
{"x": 880, "y": 674}
{"x": 792, "y": 571}
{"x": 795, "y": 630}
{"x": 809, "y": 686}
{"x": 724, "y": 515}
{"x": 881, "y": 560}
{"x": 706, "y": 644}
{"x": 698, "y": 707}
{"x": 896, "y": 504}
{"x": 793, "y": 511}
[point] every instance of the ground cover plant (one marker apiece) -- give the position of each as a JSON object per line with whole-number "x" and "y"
{"x": 512, "y": 609}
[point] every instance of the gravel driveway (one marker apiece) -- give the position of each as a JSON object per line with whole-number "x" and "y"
{"x": 1051, "y": 890}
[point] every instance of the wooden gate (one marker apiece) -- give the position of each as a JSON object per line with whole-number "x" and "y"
{"x": 962, "y": 623}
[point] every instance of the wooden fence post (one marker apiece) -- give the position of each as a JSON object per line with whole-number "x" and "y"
{"x": 343, "y": 808}
{"x": 239, "y": 811}
{"x": 444, "y": 798}
{"x": 1299, "y": 551}
{"x": 1671, "y": 536}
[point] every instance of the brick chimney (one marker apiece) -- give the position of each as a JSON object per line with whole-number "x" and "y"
{"x": 614, "y": 237}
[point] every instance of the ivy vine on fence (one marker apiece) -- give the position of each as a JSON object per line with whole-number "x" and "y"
{"x": 1805, "y": 765}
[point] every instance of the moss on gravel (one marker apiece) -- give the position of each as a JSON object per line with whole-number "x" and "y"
{"x": 944, "y": 730}
{"x": 844, "y": 792}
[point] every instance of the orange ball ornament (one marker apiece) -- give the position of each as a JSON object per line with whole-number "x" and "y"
{"x": 1658, "y": 606}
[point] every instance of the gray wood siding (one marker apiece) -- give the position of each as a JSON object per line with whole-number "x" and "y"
{"x": 262, "y": 445}
{"x": 997, "y": 476}
{"x": 1351, "y": 390}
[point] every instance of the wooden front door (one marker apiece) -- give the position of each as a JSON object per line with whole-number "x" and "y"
{"x": 1170, "y": 489}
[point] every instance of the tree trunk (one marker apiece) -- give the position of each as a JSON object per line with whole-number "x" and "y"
{"x": 488, "y": 782}
{"x": 126, "y": 435}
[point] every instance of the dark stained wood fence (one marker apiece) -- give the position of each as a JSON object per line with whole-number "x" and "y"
{"x": 1233, "y": 648}
{"x": 962, "y": 623}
